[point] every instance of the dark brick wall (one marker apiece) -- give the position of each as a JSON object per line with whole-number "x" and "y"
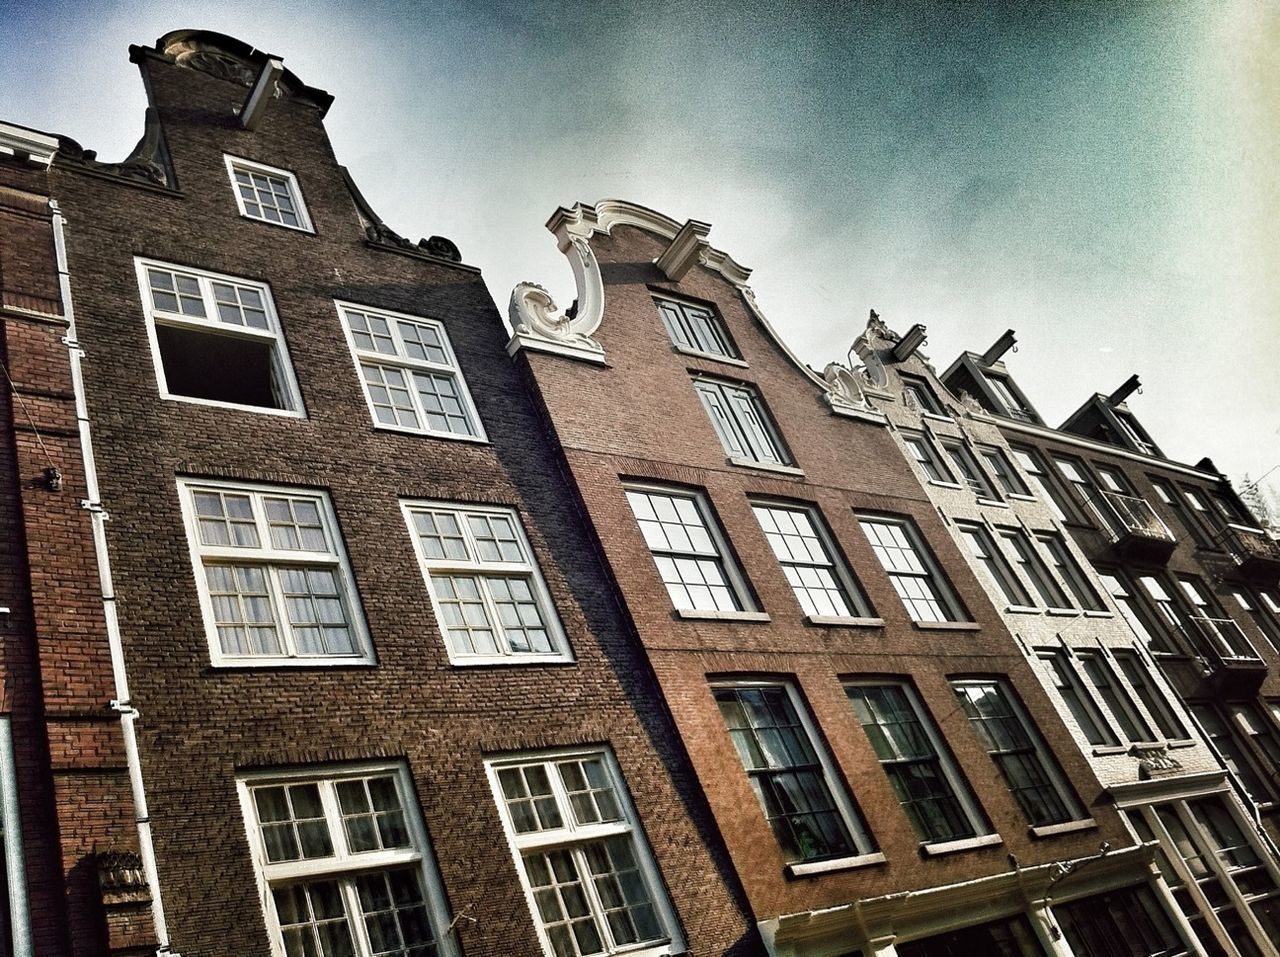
{"x": 639, "y": 418}
{"x": 201, "y": 725}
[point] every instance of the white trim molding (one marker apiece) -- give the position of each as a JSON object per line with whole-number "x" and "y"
{"x": 27, "y": 145}
{"x": 539, "y": 326}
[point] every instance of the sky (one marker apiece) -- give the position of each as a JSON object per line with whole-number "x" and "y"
{"x": 1101, "y": 177}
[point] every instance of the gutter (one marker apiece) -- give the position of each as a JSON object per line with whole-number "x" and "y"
{"x": 93, "y": 504}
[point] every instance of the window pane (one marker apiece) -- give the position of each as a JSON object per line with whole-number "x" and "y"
{"x": 688, "y": 561}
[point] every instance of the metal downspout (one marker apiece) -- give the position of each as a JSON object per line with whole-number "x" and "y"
{"x": 98, "y": 518}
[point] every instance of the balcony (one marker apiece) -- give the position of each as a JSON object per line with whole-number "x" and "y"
{"x": 1237, "y": 667}
{"x": 1256, "y": 554}
{"x": 1133, "y": 526}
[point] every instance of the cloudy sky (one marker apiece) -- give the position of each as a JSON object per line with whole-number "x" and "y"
{"x": 1102, "y": 177}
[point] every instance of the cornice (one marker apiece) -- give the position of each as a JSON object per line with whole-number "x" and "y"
{"x": 28, "y": 146}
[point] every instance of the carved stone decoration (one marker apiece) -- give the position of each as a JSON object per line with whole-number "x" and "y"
{"x": 376, "y": 231}
{"x": 844, "y": 391}
{"x": 1154, "y": 761}
{"x": 122, "y": 878}
{"x": 149, "y": 161}
{"x": 217, "y": 63}
{"x": 540, "y": 326}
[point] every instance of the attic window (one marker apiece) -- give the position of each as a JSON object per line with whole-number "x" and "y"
{"x": 269, "y": 194}
{"x": 216, "y": 339}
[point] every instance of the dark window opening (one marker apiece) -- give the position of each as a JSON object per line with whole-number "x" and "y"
{"x": 203, "y": 365}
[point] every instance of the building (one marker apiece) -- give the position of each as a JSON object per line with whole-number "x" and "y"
{"x": 1080, "y": 633}
{"x": 340, "y": 621}
{"x": 788, "y": 574}
{"x": 316, "y": 656}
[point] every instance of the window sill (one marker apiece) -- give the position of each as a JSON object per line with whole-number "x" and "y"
{"x": 1023, "y": 498}
{"x": 1181, "y": 743}
{"x": 307, "y": 230}
{"x": 948, "y": 625}
{"x": 693, "y": 614}
{"x": 1098, "y": 614}
{"x": 319, "y": 661}
{"x": 967, "y": 844}
{"x": 710, "y": 356}
{"x": 1066, "y": 827}
{"x": 992, "y": 503}
{"x": 1108, "y": 749}
{"x": 1022, "y": 609}
{"x": 955, "y": 485}
{"x": 511, "y": 661}
{"x": 234, "y": 406}
{"x": 839, "y": 864}
{"x": 1062, "y": 612}
{"x": 843, "y": 622}
{"x": 425, "y": 433}
{"x": 765, "y": 466}
{"x": 936, "y": 416}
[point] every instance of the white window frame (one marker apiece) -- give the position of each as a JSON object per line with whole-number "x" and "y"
{"x": 734, "y": 578}
{"x": 234, "y": 163}
{"x": 943, "y": 595}
{"x": 858, "y": 606}
{"x": 865, "y": 848}
{"x": 265, "y": 555}
{"x": 746, "y": 430}
{"x": 571, "y": 833}
{"x": 983, "y": 830}
{"x": 965, "y": 461}
{"x": 717, "y": 330}
{"x": 921, "y": 451}
{"x": 529, "y": 570}
{"x": 403, "y": 362}
{"x": 996, "y": 566}
{"x": 344, "y": 864}
{"x": 282, "y": 365}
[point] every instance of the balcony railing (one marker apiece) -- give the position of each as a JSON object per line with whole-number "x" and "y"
{"x": 1226, "y": 642}
{"x": 1131, "y": 523}
{"x": 1256, "y": 554}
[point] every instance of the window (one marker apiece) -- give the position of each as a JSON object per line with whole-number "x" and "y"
{"x": 268, "y": 194}
{"x": 1207, "y": 519}
{"x": 919, "y": 394}
{"x": 1170, "y": 497}
{"x": 695, "y": 328}
{"x": 1050, "y": 494}
{"x": 486, "y": 589}
{"x": 1033, "y": 566}
{"x": 1096, "y": 668}
{"x": 216, "y": 339}
{"x": 344, "y": 865}
{"x": 409, "y": 373}
{"x": 1006, "y": 475}
{"x": 1252, "y": 605}
{"x": 1258, "y": 729}
{"x": 1031, "y": 774}
{"x": 1225, "y": 638}
{"x": 913, "y": 572}
{"x": 790, "y": 773}
{"x": 1087, "y": 716}
{"x": 802, "y": 545}
{"x": 745, "y": 430}
{"x": 989, "y": 557}
{"x": 1113, "y": 480}
{"x": 1013, "y": 403}
{"x": 1135, "y": 433}
{"x": 1128, "y": 921}
{"x": 1171, "y": 615}
{"x": 1154, "y": 698}
{"x": 1076, "y": 473}
{"x": 1069, "y": 571}
{"x": 922, "y": 451}
{"x": 1134, "y": 611}
{"x": 910, "y": 750}
{"x": 968, "y": 468}
{"x": 1235, "y": 754}
{"x": 688, "y": 550}
{"x": 592, "y": 885}
{"x": 274, "y": 582}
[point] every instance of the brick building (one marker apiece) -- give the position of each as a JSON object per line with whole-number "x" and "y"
{"x": 310, "y": 578}
{"x": 336, "y": 628}
{"x": 1073, "y": 623}
{"x": 790, "y": 578}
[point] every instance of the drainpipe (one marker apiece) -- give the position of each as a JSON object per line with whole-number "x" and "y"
{"x": 93, "y": 504}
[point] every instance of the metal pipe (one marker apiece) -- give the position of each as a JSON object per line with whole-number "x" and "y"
{"x": 93, "y": 504}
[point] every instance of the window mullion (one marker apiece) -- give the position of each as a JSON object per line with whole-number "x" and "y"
{"x": 595, "y": 904}
{"x": 355, "y": 915}
{"x": 281, "y": 607}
